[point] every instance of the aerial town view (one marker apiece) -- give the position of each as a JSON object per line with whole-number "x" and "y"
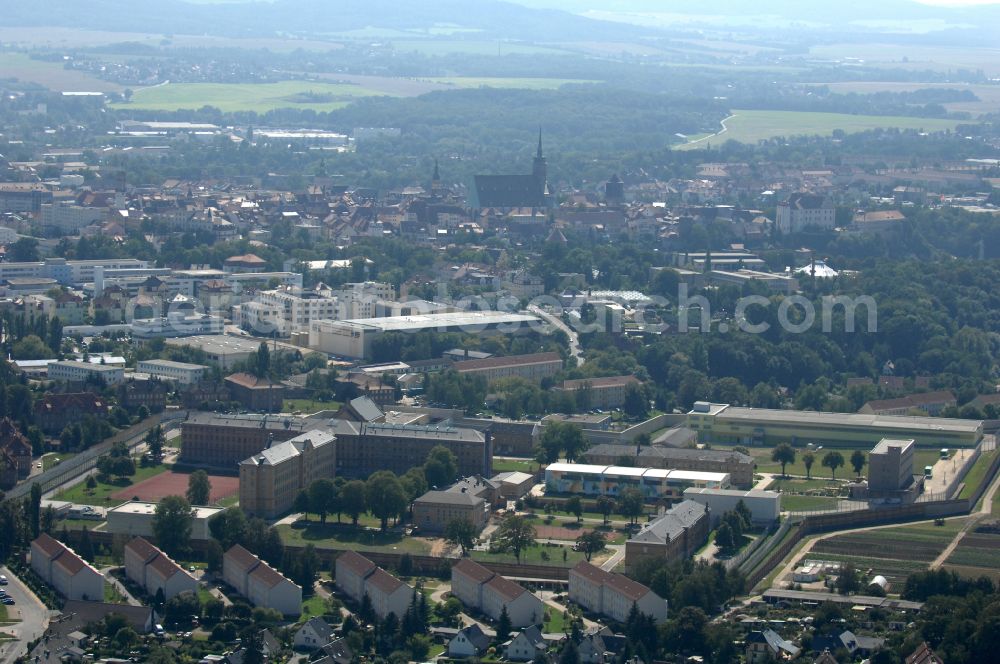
{"x": 562, "y": 331}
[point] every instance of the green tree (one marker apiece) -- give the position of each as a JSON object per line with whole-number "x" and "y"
{"x": 55, "y": 333}
{"x": 590, "y": 542}
{"x": 562, "y": 437}
{"x": 605, "y": 505}
{"x": 631, "y": 503}
{"x": 322, "y": 494}
{"x": 461, "y": 532}
{"x": 808, "y": 459}
{"x": 441, "y": 467}
{"x": 385, "y": 496}
{"x": 154, "y": 441}
{"x": 262, "y": 364}
{"x": 172, "y": 522}
{"x": 575, "y": 507}
{"x": 199, "y": 488}
{"x": 31, "y": 348}
{"x": 858, "y": 461}
{"x": 503, "y": 626}
{"x": 636, "y": 403}
{"x": 301, "y": 503}
{"x": 724, "y": 537}
{"x": 514, "y": 535}
{"x": 353, "y": 499}
{"x": 833, "y": 461}
{"x": 229, "y": 527}
{"x": 783, "y": 454}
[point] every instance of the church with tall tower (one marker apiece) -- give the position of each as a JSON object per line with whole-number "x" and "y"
{"x": 508, "y": 192}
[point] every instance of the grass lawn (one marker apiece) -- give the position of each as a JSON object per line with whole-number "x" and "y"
{"x": 308, "y": 406}
{"x": 230, "y": 501}
{"x": 977, "y": 474}
{"x": 751, "y": 126}
{"x": 762, "y": 457}
{"x": 101, "y": 494}
{"x": 112, "y": 596}
{"x": 49, "y": 460}
{"x": 234, "y": 97}
{"x": 314, "y": 606}
{"x": 556, "y": 623}
{"x": 506, "y": 465}
{"x": 332, "y": 536}
{"x": 802, "y": 485}
{"x": 3, "y": 613}
{"x": 204, "y": 595}
{"x": 533, "y": 556}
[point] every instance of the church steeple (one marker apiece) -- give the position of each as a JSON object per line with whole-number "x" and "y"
{"x": 437, "y": 174}
{"x": 539, "y": 169}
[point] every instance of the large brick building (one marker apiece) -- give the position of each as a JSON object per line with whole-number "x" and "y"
{"x": 15, "y": 454}
{"x": 208, "y": 439}
{"x": 607, "y": 392}
{"x": 675, "y": 535}
{"x": 365, "y": 448}
{"x": 533, "y": 367}
{"x": 256, "y": 394}
{"x": 54, "y": 412}
{"x": 271, "y": 479}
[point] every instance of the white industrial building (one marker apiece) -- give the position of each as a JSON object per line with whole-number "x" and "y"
{"x": 764, "y": 506}
{"x": 135, "y": 518}
{"x": 177, "y": 325}
{"x": 353, "y": 338}
{"x": 79, "y": 372}
{"x": 180, "y": 372}
{"x": 592, "y": 480}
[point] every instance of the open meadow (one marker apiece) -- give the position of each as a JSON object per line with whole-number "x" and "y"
{"x": 751, "y": 126}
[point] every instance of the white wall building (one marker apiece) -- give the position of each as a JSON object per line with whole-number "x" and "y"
{"x": 79, "y": 372}
{"x": 357, "y": 576}
{"x": 260, "y": 583}
{"x": 154, "y": 570}
{"x": 479, "y": 588}
{"x": 135, "y": 518}
{"x": 180, "y": 372}
{"x": 613, "y": 594}
{"x": 764, "y": 506}
{"x": 60, "y": 567}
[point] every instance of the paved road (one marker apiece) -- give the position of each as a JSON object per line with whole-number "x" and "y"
{"x": 574, "y": 338}
{"x": 34, "y": 617}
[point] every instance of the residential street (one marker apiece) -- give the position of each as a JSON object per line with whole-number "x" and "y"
{"x": 34, "y": 617}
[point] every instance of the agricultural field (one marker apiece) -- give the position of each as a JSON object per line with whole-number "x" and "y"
{"x": 522, "y": 83}
{"x": 914, "y": 57}
{"x": 257, "y": 97}
{"x": 893, "y": 552}
{"x": 989, "y": 95}
{"x": 434, "y": 47}
{"x": 751, "y": 126}
{"x": 51, "y": 75}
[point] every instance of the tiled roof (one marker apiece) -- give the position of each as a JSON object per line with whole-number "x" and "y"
{"x": 384, "y": 581}
{"x": 267, "y": 575}
{"x": 506, "y": 588}
{"x": 473, "y": 570}
{"x": 592, "y": 573}
{"x": 241, "y": 557}
{"x": 356, "y": 563}
{"x": 627, "y": 587}
{"x": 164, "y": 566}
{"x": 509, "y": 361}
{"x": 607, "y": 381}
{"x": 48, "y": 545}
{"x": 449, "y": 498}
{"x": 142, "y": 548}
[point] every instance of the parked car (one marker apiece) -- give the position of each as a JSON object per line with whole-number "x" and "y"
{"x": 3, "y": 579}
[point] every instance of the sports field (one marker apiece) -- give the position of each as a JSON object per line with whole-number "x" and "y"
{"x": 750, "y": 126}
{"x": 160, "y": 486}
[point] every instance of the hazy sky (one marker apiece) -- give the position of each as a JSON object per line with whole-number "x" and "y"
{"x": 959, "y": 3}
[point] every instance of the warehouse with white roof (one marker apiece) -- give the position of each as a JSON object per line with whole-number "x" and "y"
{"x": 655, "y": 483}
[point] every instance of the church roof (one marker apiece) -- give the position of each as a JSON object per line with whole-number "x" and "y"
{"x": 509, "y": 191}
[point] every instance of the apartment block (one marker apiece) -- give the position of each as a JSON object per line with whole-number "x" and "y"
{"x": 271, "y": 479}
{"x": 613, "y": 595}
{"x": 154, "y": 570}
{"x": 739, "y": 466}
{"x": 259, "y": 582}
{"x": 60, "y": 567}
{"x": 479, "y": 588}
{"x": 357, "y": 576}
